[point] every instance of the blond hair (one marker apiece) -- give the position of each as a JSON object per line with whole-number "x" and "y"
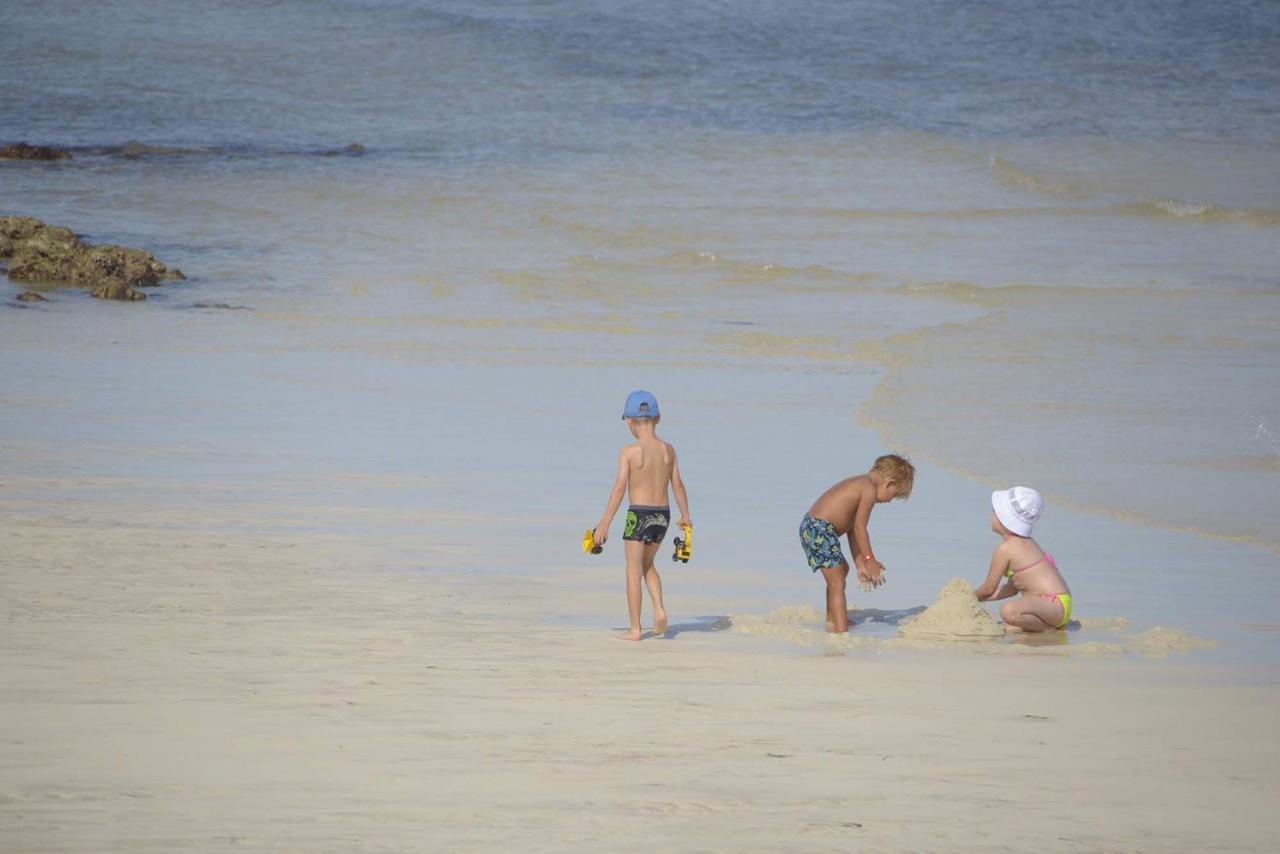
{"x": 897, "y": 469}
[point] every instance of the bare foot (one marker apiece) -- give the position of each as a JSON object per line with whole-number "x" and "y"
{"x": 633, "y": 635}
{"x": 660, "y": 623}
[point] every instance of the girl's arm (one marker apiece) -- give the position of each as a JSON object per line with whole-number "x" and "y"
{"x": 601, "y": 531}
{"x": 986, "y": 591}
{"x": 1007, "y": 590}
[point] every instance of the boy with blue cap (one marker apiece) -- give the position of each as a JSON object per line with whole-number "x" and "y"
{"x": 647, "y": 469}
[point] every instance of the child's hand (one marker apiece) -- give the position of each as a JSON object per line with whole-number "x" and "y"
{"x": 683, "y": 522}
{"x": 864, "y": 580}
{"x": 877, "y": 576}
{"x": 870, "y": 574}
{"x": 599, "y": 534}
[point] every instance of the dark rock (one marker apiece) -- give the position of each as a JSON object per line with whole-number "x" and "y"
{"x": 134, "y": 150}
{"x": 45, "y": 253}
{"x": 355, "y": 149}
{"x": 23, "y": 151}
{"x": 30, "y": 296}
{"x": 116, "y": 290}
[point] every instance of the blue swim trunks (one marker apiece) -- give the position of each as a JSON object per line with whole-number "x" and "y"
{"x": 821, "y": 544}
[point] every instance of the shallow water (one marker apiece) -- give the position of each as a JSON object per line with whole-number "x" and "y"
{"x": 1026, "y": 245}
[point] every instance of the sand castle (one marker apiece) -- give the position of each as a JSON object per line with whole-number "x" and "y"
{"x": 955, "y": 615}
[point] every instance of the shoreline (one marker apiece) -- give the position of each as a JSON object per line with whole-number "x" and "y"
{"x": 242, "y": 472}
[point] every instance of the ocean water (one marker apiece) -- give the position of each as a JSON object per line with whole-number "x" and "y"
{"x": 1032, "y": 243}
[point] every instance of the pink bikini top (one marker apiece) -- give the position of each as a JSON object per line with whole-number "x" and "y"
{"x": 1047, "y": 558}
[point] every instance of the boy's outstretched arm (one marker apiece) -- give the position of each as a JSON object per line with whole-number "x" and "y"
{"x": 864, "y": 560}
{"x": 677, "y": 487}
{"x": 615, "y": 500}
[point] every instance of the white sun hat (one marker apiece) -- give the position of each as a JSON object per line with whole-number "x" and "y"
{"x": 1017, "y": 508}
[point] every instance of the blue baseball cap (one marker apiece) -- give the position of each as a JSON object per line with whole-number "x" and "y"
{"x": 639, "y": 404}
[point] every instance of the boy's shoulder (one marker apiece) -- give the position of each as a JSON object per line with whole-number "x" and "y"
{"x": 848, "y": 493}
{"x": 858, "y": 483}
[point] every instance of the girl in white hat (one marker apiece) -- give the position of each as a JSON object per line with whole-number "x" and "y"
{"x": 1045, "y": 603}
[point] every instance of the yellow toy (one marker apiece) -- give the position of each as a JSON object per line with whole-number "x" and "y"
{"x": 684, "y": 547}
{"x": 589, "y": 542}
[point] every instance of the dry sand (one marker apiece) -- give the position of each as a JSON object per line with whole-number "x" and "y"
{"x": 171, "y": 689}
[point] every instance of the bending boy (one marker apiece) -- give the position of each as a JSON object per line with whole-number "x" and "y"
{"x": 845, "y": 509}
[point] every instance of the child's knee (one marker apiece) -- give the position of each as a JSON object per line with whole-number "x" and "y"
{"x": 1009, "y": 611}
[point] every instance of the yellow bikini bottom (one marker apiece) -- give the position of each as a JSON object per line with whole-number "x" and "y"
{"x": 1063, "y": 599}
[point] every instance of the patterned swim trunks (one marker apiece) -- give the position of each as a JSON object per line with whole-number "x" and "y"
{"x": 821, "y": 544}
{"x": 646, "y": 524}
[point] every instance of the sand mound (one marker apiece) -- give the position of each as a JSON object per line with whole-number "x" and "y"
{"x": 747, "y": 624}
{"x": 796, "y": 614}
{"x": 1161, "y": 641}
{"x": 790, "y": 622}
{"x": 955, "y": 615}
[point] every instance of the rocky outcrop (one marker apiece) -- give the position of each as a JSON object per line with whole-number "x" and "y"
{"x": 51, "y": 254}
{"x": 30, "y": 296}
{"x": 23, "y": 151}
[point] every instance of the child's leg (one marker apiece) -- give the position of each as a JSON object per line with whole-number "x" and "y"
{"x": 635, "y": 570}
{"x": 654, "y": 582}
{"x": 837, "y": 607}
{"x": 1031, "y": 613}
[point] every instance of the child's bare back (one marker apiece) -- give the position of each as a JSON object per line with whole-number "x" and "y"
{"x": 650, "y": 463}
{"x": 647, "y": 472}
{"x": 839, "y": 505}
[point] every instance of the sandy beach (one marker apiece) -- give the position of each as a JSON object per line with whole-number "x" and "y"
{"x": 301, "y": 694}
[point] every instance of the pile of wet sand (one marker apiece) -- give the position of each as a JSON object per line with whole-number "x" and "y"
{"x": 955, "y": 615}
